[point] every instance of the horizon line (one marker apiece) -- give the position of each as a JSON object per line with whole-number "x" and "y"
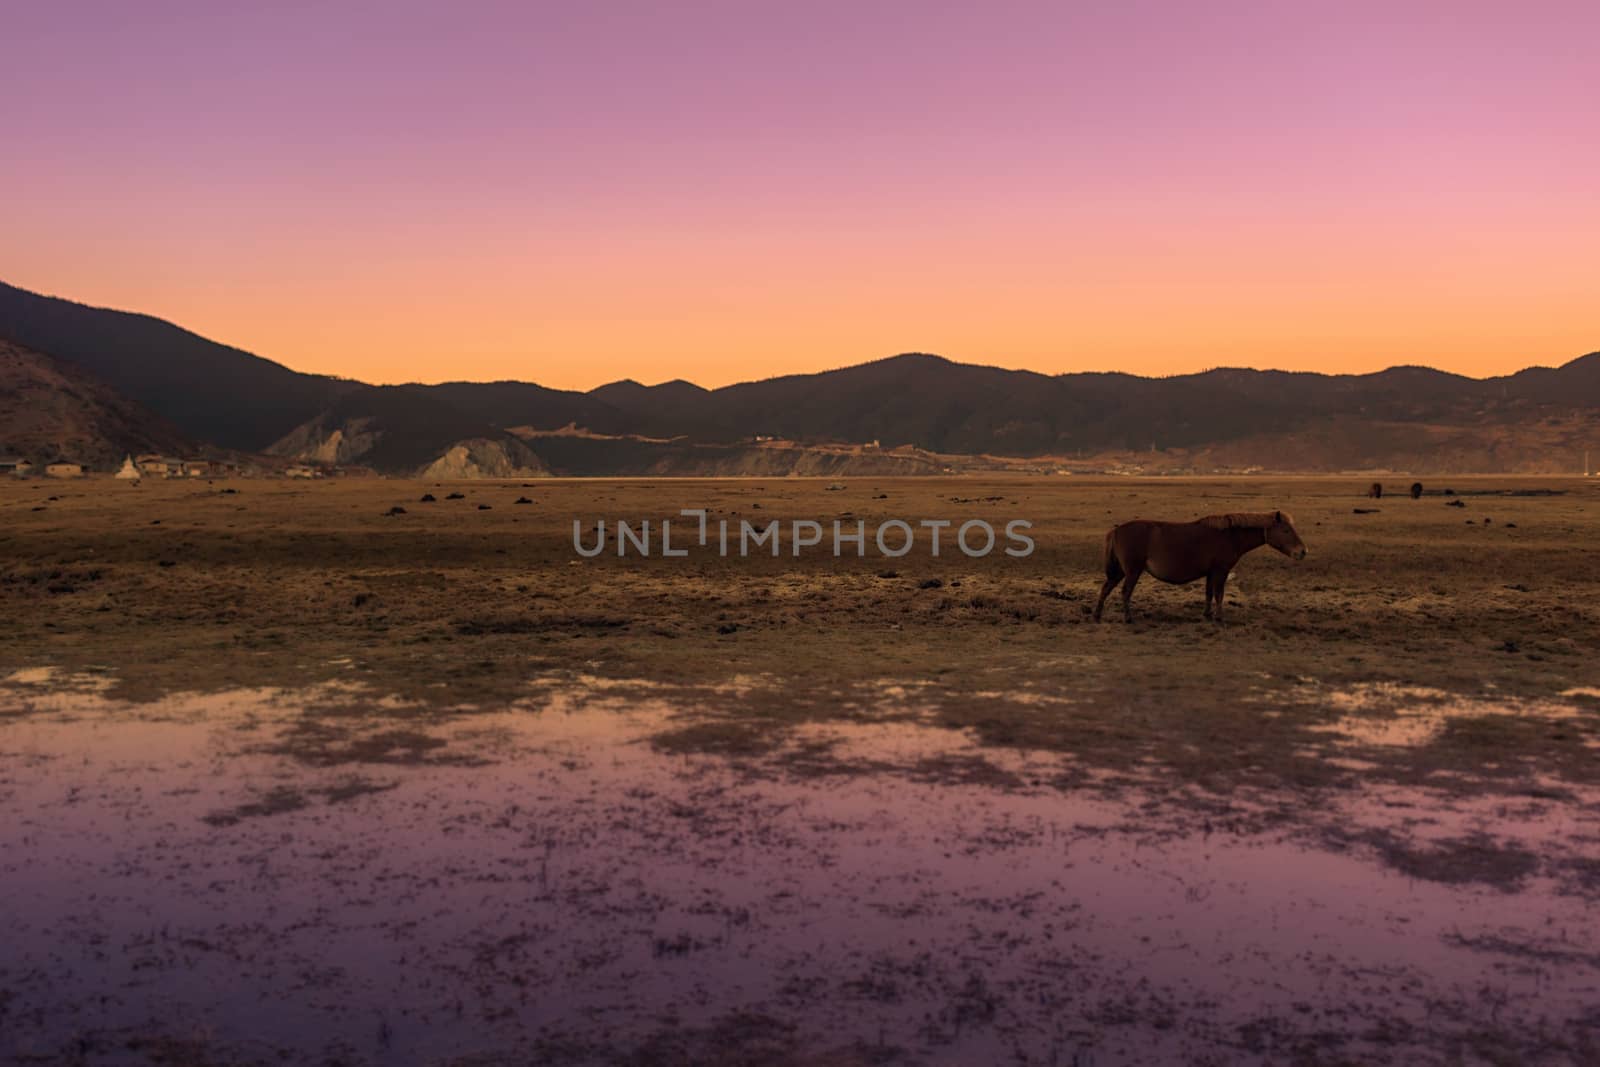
{"x": 904, "y": 354}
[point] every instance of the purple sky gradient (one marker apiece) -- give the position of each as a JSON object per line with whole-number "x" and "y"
{"x": 572, "y": 193}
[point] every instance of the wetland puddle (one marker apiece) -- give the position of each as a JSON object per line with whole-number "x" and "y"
{"x": 1412, "y": 716}
{"x": 255, "y": 875}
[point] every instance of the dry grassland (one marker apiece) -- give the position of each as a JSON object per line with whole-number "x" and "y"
{"x": 470, "y": 601}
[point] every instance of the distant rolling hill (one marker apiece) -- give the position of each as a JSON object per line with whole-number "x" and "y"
{"x": 1411, "y": 418}
{"x": 958, "y": 408}
{"x": 52, "y": 410}
{"x": 649, "y": 408}
{"x": 208, "y": 390}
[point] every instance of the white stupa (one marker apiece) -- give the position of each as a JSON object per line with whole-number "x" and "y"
{"x": 129, "y": 472}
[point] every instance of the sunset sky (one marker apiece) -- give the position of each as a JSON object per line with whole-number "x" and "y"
{"x": 572, "y": 193}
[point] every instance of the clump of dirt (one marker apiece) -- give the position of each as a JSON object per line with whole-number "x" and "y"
{"x": 723, "y": 737}
{"x": 275, "y": 802}
{"x": 1452, "y": 861}
{"x": 318, "y": 742}
{"x": 538, "y": 624}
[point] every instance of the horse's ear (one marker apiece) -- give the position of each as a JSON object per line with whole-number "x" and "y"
{"x": 1277, "y": 516}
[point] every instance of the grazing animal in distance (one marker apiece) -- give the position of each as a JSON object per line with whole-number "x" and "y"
{"x": 1181, "y": 552}
{"x": 1416, "y": 490}
{"x": 1376, "y": 491}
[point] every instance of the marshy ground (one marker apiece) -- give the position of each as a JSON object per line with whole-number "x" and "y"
{"x": 287, "y": 774}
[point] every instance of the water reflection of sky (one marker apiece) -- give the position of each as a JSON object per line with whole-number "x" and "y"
{"x": 546, "y": 874}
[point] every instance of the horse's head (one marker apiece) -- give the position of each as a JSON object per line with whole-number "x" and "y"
{"x": 1281, "y": 535}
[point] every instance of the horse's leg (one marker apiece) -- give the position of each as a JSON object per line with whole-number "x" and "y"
{"x": 1113, "y": 576}
{"x": 1105, "y": 591}
{"x": 1222, "y": 588}
{"x": 1211, "y": 585}
{"x": 1127, "y": 592}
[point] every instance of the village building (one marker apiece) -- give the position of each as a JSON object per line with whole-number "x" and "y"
{"x": 15, "y": 466}
{"x": 65, "y": 469}
{"x": 301, "y": 471}
{"x": 153, "y": 465}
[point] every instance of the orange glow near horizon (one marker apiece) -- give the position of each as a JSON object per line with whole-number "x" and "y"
{"x": 709, "y": 320}
{"x": 1325, "y": 191}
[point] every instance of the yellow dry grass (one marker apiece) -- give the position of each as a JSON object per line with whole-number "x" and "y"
{"x": 181, "y": 585}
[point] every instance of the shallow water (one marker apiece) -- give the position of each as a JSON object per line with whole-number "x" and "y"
{"x": 328, "y": 874}
{"x": 1388, "y": 715}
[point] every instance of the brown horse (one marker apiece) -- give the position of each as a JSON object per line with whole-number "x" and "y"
{"x": 1180, "y": 552}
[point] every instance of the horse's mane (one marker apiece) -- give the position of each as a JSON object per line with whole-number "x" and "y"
{"x": 1242, "y": 519}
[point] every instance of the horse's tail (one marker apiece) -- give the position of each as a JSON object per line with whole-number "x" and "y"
{"x": 1112, "y": 564}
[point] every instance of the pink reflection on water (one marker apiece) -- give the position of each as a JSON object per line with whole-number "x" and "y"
{"x": 545, "y": 873}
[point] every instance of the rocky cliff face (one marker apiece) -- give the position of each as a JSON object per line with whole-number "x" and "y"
{"x": 315, "y": 442}
{"x": 484, "y": 458}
